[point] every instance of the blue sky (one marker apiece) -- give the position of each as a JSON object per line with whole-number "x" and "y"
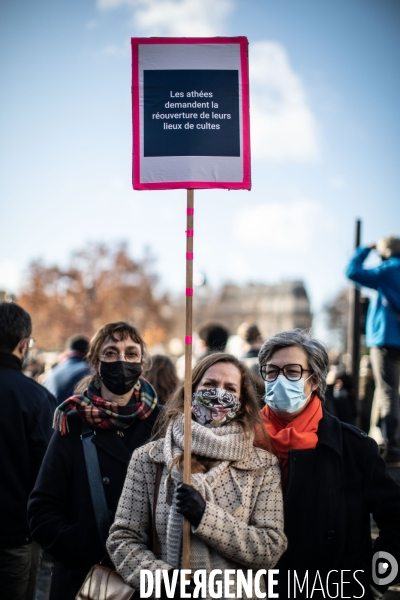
{"x": 325, "y": 89}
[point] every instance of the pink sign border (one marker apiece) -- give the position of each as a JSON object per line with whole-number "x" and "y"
{"x": 245, "y": 184}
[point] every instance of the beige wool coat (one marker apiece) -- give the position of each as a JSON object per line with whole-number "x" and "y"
{"x": 241, "y": 528}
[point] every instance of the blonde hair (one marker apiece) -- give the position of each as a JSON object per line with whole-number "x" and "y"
{"x": 389, "y": 246}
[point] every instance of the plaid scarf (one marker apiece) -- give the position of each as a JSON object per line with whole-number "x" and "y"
{"x": 103, "y": 414}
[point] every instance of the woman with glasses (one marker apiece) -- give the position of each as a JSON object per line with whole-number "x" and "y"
{"x": 115, "y": 411}
{"x": 333, "y": 478}
{"x": 234, "y": 502}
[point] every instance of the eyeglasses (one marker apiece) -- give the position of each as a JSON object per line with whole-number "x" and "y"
{"x": 292, "y": 372}
{"x": 114, "y": 355}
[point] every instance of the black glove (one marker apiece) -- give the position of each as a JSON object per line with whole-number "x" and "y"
{"x": 190, "y": 503}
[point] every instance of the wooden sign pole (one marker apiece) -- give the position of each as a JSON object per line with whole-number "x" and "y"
{"x": 188, "y": 368}
{"x": 225, "y": 165}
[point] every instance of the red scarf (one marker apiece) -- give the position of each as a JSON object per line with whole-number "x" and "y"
{"x": 299, "y": 434}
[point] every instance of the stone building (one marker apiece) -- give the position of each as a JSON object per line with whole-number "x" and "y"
{"x": 273, "y": 307}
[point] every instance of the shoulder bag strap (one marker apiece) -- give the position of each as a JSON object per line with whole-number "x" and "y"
{"x": 97, "y": 494}
{"x": 159, "y": 471}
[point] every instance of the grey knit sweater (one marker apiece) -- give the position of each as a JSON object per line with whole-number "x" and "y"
{"x": 242, "y": 526}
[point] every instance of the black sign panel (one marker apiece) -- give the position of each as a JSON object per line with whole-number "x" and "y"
{"x": 191, "y": 112}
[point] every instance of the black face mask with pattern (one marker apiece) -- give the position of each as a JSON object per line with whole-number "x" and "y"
{"x": 120, "y": 376}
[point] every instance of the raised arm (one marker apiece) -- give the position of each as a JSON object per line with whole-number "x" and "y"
{"x": 355, "y": 271}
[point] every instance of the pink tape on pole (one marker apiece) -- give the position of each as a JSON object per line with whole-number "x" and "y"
{"x": 190, "y": 211}
{"x": 189, "y": 291}
{"x": 189, "y": 232}
{"x": 188, "y": 339}
{"x": 189, "y": 255}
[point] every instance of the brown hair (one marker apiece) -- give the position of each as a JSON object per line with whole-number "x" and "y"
{"x": 162, "y": 376}
{"x": 247, "y": 416}
{"x": 124, "y": 330}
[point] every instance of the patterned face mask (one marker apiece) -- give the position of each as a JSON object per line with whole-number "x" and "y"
{"x": 214, "y": 407}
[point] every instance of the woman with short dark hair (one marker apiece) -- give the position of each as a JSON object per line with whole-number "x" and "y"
{"x": 333, "y": 478}
{"x": 118, "y": 408}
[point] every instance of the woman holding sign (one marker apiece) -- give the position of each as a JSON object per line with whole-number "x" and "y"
{"x": 234, "y": 504}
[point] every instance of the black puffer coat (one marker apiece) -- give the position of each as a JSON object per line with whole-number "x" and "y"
{"x": 60, "y": 509}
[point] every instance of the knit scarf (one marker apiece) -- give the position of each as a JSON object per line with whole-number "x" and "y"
{"x": 299, "y": 434}
{"x": 103, "y": 414}
{"x": 226, "y": 444}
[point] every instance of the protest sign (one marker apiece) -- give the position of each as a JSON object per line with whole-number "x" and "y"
{"x": 190, "y": 113}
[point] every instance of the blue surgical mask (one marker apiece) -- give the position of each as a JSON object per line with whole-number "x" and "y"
{"x": 285, "y": 396}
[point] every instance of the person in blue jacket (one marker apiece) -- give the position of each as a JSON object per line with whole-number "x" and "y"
{"x": 383, "y": 333}
{"x": 63, "y": 378}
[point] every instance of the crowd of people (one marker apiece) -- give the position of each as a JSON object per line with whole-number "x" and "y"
{"x": 281, "y": 478}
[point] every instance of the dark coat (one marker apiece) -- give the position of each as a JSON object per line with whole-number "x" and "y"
{"x": 60, "y": 508}
{"x": 62, "y": 378}
{"x": 25, "y": 431}
{"x": 330, "y": 494}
